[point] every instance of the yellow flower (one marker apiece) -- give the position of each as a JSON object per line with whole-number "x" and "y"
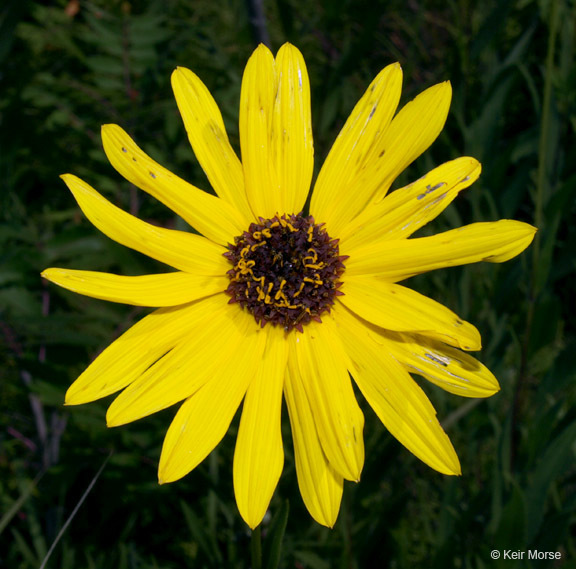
{"x": 270, "y": 301}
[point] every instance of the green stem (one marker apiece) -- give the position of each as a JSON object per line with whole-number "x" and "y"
{"x": 256, "y": 548}
{"x": 542, "y": 196}
{"x": 542, "y": 186}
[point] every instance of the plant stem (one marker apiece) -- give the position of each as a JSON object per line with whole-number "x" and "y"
{"x": 257, "y": 19}
{"x": 542, "y": 195}
{"x": 542, "y": 184}
{"x": 256, "y": 548}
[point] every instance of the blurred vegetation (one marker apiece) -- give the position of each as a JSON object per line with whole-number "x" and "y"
{"x": 68, "y": 66}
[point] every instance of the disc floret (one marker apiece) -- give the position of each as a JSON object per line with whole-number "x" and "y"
{"x": 285, "y": 271}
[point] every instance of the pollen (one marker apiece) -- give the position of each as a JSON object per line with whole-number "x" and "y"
{"x": 285, "y": 271}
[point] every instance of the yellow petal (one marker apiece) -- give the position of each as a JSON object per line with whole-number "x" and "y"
{"x": 204, "y": 418}
{"x": 394, "y": 307}
{"x": 408, "y": 209}
{"x": 184, "y": 251}
{"x": 259, "y": 455}
{"x": 337, "y": 197}
{"x": 169, "y": 289}
{"x": 207, "y": 135}
{"x": 412, "y": 131}
{"x": 395, "y": 397}
{"x": 256, "y": 104}
{"x": 337, "y": 415}
{"x": 132, "y": 353}
{"x": 211, "y": 216}
{"x": 187, "y": 367}
{"x": 291, "y": 144}
{"x": 494, "y": 242}
{"x": 450, "y": 369}
{"x": 320, "y": 485}
{"x": 276, "y": 131}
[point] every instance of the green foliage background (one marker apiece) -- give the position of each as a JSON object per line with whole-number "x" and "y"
{"x": 68, "y": 66}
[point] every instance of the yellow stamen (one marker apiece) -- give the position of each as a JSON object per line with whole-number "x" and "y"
{"x": 302, "y": 285}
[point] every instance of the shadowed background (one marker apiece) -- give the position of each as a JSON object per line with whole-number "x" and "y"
{"x": 67, "y": 67}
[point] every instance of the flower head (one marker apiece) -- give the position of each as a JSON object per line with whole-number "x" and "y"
{"x": 271, "y": 300}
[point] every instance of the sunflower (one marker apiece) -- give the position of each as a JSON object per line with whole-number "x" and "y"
{"x": 273, "y": 299}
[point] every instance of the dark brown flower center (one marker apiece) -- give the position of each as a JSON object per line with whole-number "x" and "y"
{"x": 285, "y": 271}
